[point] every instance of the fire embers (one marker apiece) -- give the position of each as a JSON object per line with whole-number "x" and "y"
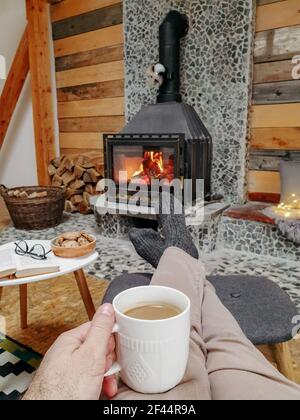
{"x": 154, "y": 167}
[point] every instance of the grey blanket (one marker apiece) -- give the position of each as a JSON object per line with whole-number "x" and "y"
{"x": 291, "y": 229}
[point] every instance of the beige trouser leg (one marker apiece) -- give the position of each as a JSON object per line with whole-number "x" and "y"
{"x": 175, "y": 270}
{"x": 223, "y": 364}
{"x": 237, "y": 370}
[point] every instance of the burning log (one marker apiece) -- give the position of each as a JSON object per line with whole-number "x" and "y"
{"x": 80, "y": 177}
{"x": 154, "y": 167}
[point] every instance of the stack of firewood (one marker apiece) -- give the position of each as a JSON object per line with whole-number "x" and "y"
{"x": 79, "y": 176}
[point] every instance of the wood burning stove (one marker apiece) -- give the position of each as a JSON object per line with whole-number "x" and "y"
{"x": 147, "y": 149}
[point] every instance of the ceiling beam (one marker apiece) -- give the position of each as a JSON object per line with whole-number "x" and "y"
{"x": 14, "y": 85}
{"x": 41, "y": 83}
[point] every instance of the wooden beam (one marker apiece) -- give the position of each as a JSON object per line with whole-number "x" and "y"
{"x": 278, "y": 15}
{"x": 92, "y": 108}
{"x": 264, "y": 182}
{"x": 112, "y": 89}
{"x": 88, "y": 22}
{"x": 92, "y": 124}
{"x": 279, "y": 71}
{"x": 40, "y": 67}
{"x": 269, "y": 160}
{"x": 90, "y": 58}
{"x": 275, "y": 139}
{"x": 101, "y": 38}
{"x": 276, "y": 93}
{"x": 268, "y": 116}
{"x": 13, "y": 86}
{"x": 92, "y": 74}
{"x": 277, "y": 44}
{"x": 81, "y": 140}
{"x": 70, "y": 8}
{"x": 262, "y": 2}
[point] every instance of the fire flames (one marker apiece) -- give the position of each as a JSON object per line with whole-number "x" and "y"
{"x": 154, "y": 167}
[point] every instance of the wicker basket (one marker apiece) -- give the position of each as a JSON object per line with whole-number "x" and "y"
{"x": 35, "y": 213}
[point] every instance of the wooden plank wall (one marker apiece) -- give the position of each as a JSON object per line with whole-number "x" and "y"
{"x": 275, "y": 122}
{"x": 89, "y": 55}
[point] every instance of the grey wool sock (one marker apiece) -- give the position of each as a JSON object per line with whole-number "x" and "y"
{"x": 174, "y": 229}
{"x": 150, "y": 245}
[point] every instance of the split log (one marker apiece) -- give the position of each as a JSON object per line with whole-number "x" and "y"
{"x": 79, "y": 171}
{"x": 77, "y": 184}
{"x": 84, "y": 207}
{"x": 94, "y": 175}
{"x": 69, "y": 164}
{"x": 56, "y": 162}
{"x": 70, "y": 193}
{"x": 51, "y": 170}
{"x": 69, "y": 207}
{"x": 84, "y": 162}
{"x": 57, "y": 181}
{"x": 87, "y": 178}
{"x": 61, "y": 170}
{"x": 68, "y": 177}
{"x": 90, "y": 189}
{"x": 76, "y": 199}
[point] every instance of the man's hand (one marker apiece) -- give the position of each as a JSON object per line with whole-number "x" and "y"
{"x": 74, "y": 367}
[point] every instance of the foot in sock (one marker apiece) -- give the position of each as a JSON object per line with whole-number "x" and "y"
{"x": 151, "y": 246}
{"x": 148, "y": 244}
{"x": 172, "y": 220}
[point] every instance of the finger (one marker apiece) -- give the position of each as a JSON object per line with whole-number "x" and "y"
{"x": 110, "y": 386}
{"x": 110, "y": 359}
{"x": 100, "y": 331}
{"x": 111, "y": 345}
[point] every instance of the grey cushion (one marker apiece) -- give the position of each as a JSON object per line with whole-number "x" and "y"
{"x": 124, "y": 282}
{"x": 262, "y": 309}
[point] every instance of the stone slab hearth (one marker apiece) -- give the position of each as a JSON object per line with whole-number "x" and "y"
{"x": 118, "y": 256}
{"x": 247, "y": 229}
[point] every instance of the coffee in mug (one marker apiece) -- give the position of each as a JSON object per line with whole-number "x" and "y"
{"x": 153, "y": 311}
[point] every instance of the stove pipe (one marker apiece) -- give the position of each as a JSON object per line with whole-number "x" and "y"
{"x": 174, "y": 27}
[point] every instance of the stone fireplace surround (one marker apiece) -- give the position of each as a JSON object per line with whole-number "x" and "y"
{"x": 215, "y": 74}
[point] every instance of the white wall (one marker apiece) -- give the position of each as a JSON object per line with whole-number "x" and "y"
{"x": 17, "y": 156}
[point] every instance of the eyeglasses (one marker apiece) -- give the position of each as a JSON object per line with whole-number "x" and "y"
{"x": 37, "y": 252}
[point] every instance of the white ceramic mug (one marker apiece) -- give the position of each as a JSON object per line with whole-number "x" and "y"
{"x": 152, "y": 355}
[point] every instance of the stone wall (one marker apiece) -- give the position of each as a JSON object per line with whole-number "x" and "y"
{"x": 216, "y": 74}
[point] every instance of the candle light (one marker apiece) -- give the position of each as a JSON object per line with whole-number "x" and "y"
{"x": 289, "y": 207}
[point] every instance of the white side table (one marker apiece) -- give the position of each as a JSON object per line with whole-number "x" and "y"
{"x": 74, "y": 265}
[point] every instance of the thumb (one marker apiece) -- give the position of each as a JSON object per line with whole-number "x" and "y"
{"x": 100, "y": 331}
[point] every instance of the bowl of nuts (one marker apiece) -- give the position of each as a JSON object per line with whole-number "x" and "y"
{"x": 73, "y": 245}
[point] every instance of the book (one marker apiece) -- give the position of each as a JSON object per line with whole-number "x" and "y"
{"x": 12, "y": 264}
